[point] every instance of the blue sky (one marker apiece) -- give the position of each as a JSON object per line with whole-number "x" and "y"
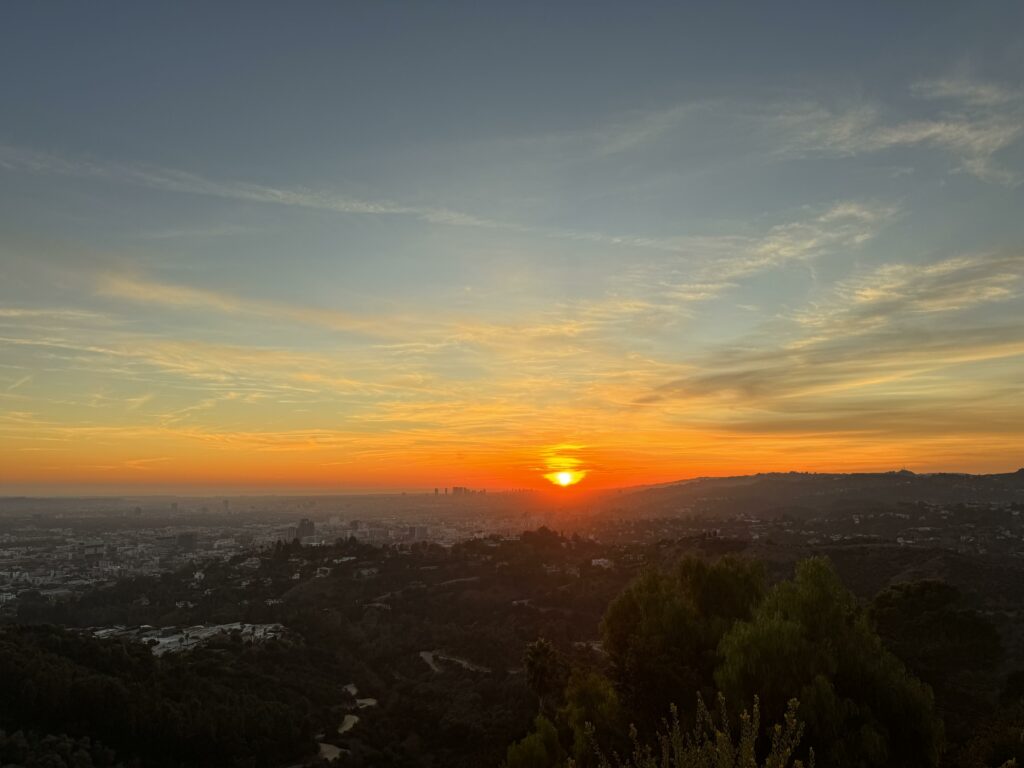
{"x": 356, "y": 245}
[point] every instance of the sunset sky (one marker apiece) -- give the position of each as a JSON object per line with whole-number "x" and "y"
{"x": 386, "y": 246}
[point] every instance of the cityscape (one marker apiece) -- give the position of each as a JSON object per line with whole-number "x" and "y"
{"x": 59, "y": 550}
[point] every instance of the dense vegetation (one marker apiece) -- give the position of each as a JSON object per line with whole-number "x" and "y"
{"x": 716, "y": 627}
{"x": 215, "y": 706}
{"x": 918, "y": 676}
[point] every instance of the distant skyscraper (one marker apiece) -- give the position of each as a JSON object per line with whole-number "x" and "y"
{"x": 305, "y": 528}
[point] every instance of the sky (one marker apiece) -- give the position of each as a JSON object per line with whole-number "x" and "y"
{"x": 351, "y": 246}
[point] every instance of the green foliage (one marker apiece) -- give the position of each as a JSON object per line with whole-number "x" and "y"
{"x": 30, "y": 750}
{"x": 1000, "y": 738}
{"x": 926, "y": 624}
{"x": 999, "y": 742}
{"x": 196, "y": 709}
{"x": 539, "y": 749}
{"x": 650, "y": 635}
{"x": 592, "y": 707}
{"x": 723, "y": 591}
{"x": 662, "y": 633}
{"x": 711, "y": 743}
{"x": 810, "y": 638}
{"x": 542, "y": 540}
{"x": 947, "y": 644}
{"x": 546, "y": 672}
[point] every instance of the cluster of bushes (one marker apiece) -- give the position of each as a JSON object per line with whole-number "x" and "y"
{"x": 206, "y": 708}
{"x": 31, "y": 750}
{"x": 717, "y": 629}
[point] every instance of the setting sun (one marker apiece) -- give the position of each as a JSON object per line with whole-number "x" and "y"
{"x": 565, "y": 478}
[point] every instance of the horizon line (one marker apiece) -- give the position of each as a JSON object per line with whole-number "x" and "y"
{"x": 283, "y": 492}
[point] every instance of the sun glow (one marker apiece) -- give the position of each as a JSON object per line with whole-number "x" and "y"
{"x": 564, "y": 464}
{"x": 565, "y": 477}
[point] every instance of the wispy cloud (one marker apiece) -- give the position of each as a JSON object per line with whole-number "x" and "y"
{"x": 143, "y": 291}
{"x": 966, "y": 91}
{"x": 134, "y": 403}
{"x": 19, "y": 382}
{"x": 147, "y": 463}
{"x": 618, "y": 134}
{"x": 33, "y": 313}
{"x": 898, "y": 292}
{"x": 842, "y": 226}
{"x": 901, "y": 336}
{"x": 977, "y": 122}
{"x": 785, "y": 238}
{"x": 28, "y": 160}
{"x": 175, "y": 233}
{"x": 762, "y": 375}
{"x": 18, "y": 158}
{"x": 971, "y": 120}
{"x": 646, "y": 297}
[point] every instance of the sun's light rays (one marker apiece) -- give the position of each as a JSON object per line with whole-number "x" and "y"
{"x": 565, "y": 477}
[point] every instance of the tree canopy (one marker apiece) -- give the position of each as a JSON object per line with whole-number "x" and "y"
{"x": 662, "y": 633}
{"x": 714, "y": 628}
{"x": 810, "y": 638}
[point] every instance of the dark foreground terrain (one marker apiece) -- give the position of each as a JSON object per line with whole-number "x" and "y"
{"x": 898, "y": 624}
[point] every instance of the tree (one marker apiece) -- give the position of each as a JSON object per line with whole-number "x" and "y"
{"x": 810, "y": 638}
{"x": 928, "y": 626}
{"x": 592, "y": 707}
{"x": 546, "y": 673}
{"x": 947, "y": 644}
{"x": 539, "y": 749}
{"x": 662, "y": 633}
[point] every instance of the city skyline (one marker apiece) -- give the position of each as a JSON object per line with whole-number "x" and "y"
{"x": 366, "y": 247}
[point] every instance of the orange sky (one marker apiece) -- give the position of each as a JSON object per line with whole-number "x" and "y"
{"x": 313, "y": 462}
{"x": 136, "y": 395}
